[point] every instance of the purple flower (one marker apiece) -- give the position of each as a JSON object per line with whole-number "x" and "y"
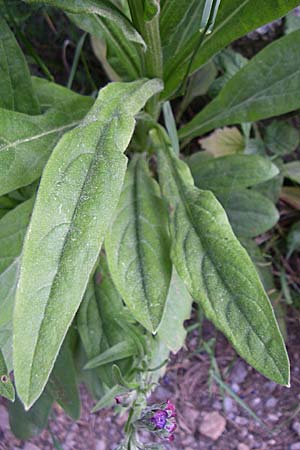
{"x": 160, "y": 419}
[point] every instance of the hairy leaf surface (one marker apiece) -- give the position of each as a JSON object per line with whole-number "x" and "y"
{"x": 12, "y": 232}
{"x": 26, "y": 141}
{"x": 79, "y": 191}
{"x": 16, "y": 91}
{"x": 217, "y": 270}
{"x": 137, "y": 247}
{"x": 267, "y": 86}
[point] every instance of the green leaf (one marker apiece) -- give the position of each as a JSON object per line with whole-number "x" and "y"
{"x": 179, "y": 21}
{"x": 79, "y": 191}
{"x": 255, "y": 92}
{"x": 12, "y": 232}
{"x": 178, "y": 309}
{"x": 281, "y": 138}
{"x": 119, "y": 351}
{"x": 137, "y": 247}
{"x": 293, "y": 239}
{"x": 171, "y": 126}
{"x": 250, "y": 213}
{"x": 217, "y": 270}
{"x": 26, "y": 142}
{"x": 16, "y": 92}
{"x": 119, "y": 57}
{"x": 62, "y": 384}
{"x": 102, "y": 8}
{"x": 89, "y": 323}
{"x": 292, "y": 171}
{"x": 235, "y": 19}
{"x": 228, "y": 63}
{"x": 109, "y": 398}
{"x": 26, "y": 424}
{"x": 6, "y": 387}
{"x": 233, "y": 172}
{"x": 291, "y": 195}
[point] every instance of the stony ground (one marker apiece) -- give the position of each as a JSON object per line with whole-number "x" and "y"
{"x": 261, "y": 416}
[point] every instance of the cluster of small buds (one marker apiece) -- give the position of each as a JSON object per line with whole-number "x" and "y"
{"x": 160, "y": 419}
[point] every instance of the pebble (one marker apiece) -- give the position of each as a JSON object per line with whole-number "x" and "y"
{"x": 213, "y": 425}
{"x": 239, "y": 372}
{"x": 271, "y": 402}
{"x": 235, "y": 387}
{"x": 29, "y": 446}
{"x": 241, "y": 420}
{"x": 243, "y": 447}
{"x": 295, "y": 446}
{"x": 256, "y": 401}
{"x": 296, "y": 427}
{"x": 228, "y": 404}
{"x": 272, "y": 417}
{"x": 101, "y": 445}
{"x": 4, "y": 420}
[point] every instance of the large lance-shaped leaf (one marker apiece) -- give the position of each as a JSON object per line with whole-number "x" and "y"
{"x": 103, "y": 8}
{"x": 232, "y": 172}
{"x": 235, "y": 18}
{"x": 137, "y": 247}
{"x": 16, "y": 92}
{"x": 267, "y": 86}
{"x": 217, "y": 270}
{"x": 26, "y": 141}
{"x": 79, "y": 191}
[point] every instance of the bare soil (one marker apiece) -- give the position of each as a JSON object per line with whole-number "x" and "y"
{"x": 189, "y": 384}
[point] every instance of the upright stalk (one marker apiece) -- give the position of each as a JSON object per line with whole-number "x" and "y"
{"x": 145, "y": 17}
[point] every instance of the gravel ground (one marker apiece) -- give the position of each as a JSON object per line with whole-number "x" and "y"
{"x": 207, "y": 417}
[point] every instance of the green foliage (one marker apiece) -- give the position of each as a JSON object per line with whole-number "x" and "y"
{"x": 255, "y": 92}
{"x": 99, "y": 262}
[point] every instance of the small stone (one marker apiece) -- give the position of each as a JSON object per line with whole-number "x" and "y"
{"x": 4, "y": 420}
{"x": 272, "y": 417}
{"x": 228, "y": 404}
{"x": 295, "y": 446}
{"x": 213, "y": 425}
{"x": 296, "y": 427}
{"x": 29, "y": 446}
{"x": 243, "y": 447}
{"x": 235, "y": 387}
{"x": 271, "y": 402}
{"x": 239, "y": 372}
{"x": 256, "y": 401}
{"x": 101, "y": 445}
{"x": 241, "y": 420}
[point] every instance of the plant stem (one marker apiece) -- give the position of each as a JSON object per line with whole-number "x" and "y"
{"x": 153, "y": 59}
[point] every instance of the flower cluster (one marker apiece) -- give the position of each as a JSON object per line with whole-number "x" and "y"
{"x": 160, "y": 419}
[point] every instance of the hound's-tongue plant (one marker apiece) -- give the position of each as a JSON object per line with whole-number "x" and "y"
{"x": 102, "y": 254}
